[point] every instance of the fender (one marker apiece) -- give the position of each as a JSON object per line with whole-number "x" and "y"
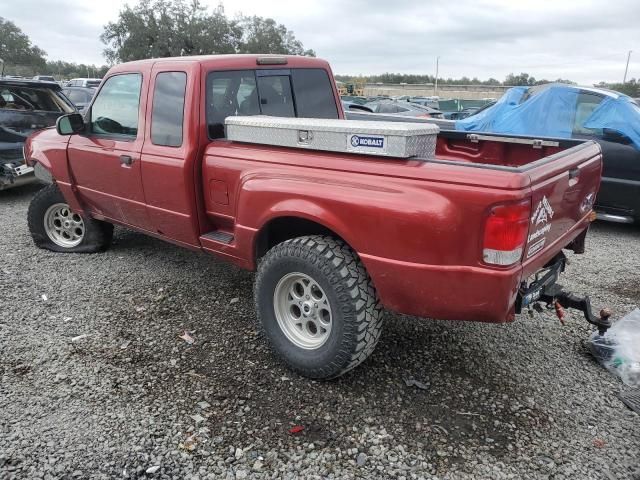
{"x": 48, "y": 156}
{"x": 367, "y": 213}
{"x": 308, "y": 210}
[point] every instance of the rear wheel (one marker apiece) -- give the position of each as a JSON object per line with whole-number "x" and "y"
{"x": 54, "y": 226}
{"x": 317, "y": 306}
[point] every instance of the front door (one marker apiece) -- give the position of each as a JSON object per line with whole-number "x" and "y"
{"x": 105, "y": 161}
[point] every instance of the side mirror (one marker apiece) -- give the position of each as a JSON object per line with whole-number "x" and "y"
{"x": 615, "y": 136}
{"x": 70, "y": 124}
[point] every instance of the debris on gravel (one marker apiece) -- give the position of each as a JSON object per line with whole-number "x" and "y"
{"x": 131, "y": 400}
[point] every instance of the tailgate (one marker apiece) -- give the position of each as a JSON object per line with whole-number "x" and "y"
{"x": 564, "y": 188}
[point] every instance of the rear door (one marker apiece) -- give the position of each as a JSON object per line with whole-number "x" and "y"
{"x": 170, "y": 153}
{"x": 564, "y": 188}
{"x": 105, "y": 161}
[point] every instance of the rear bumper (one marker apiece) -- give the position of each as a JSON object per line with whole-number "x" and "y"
{"x": 445, "y": 292}
{"x": 480, "y": 294}
{"x": 6, "y": 183}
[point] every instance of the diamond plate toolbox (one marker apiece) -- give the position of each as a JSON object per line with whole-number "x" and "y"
{"x": 390, "y": 139}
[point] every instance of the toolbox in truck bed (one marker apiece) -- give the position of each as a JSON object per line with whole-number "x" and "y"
{"x": 391, "y": 139}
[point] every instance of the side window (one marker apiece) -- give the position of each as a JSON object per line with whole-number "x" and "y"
{"x": 76, "y": 96}
{"x": 168, "y": 109}
{"x": 387, "y": 108}
{"x": 230, "y": 93}
{"x": 586, "y": 104}
{"x": 275, "y": 96}
{"x": 314, "y": 94}
{"x": 115, "y": 110}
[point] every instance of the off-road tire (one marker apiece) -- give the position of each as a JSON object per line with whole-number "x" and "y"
{"x": 97, "y": 234}
{"x": 355, "y": 308}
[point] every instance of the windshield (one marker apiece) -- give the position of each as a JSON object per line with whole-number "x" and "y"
{"x": 28, "y": 98}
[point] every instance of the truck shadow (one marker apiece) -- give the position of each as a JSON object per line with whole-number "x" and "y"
{"x": 466, "y": 396}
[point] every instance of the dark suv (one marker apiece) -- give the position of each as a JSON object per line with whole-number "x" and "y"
{"x": 25, "y": 106}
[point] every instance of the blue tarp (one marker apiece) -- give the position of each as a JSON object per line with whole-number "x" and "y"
{"x": 552, "y": 112}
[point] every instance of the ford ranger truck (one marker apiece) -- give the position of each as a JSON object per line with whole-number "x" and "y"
{"x": 474, "y": 233}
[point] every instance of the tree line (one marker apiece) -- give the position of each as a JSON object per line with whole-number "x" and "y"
{"x": 164, "y": 28}
{"x": 155, "y": 29}
{"x": 510, "y": 80}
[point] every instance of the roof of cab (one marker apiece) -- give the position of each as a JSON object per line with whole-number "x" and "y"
{"x": 226, "y": 62}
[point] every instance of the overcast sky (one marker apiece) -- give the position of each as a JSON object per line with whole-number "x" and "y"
{"x": 586, "y": 41}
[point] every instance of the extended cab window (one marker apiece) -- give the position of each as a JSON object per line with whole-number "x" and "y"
{"x": 168, "y": 109}
{"x": 115, "y": 109}
{"x": 281, "y": 93}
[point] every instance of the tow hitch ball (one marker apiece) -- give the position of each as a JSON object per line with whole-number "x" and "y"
{"x": 560, "y": 299}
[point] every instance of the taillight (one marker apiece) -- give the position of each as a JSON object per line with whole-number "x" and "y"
{"x": 505, "y": 233}
{"x": 426, "y": 115}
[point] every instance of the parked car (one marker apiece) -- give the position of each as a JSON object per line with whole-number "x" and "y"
{"x": 83, "y": 82}
{"x": 79, "y": 96}
{"x": 567, "y": 111}
{"x": 335, "y": 236}
{"x": 353, "y": 99}
{"x": 44, "y": 78}
{"x": 403, "y": 108}
{"x": 25, "y": 106}
{"x": 469, "y": 111}
{"x": 431, "y": 102}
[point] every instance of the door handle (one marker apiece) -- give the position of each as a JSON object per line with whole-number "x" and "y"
{"x": 126, "y": 160}
{"x": 574, "y": 173}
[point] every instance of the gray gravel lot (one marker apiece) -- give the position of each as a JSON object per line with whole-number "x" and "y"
{"x": 96, "y": 383}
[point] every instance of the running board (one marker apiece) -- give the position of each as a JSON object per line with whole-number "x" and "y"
{"x": 219, "y": 236}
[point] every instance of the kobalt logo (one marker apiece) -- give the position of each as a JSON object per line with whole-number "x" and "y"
{"x": 359, "y": 141}
{"x": 543, "y": 212}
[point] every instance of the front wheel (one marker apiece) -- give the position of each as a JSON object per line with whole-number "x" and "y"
{"x": 317, "y": 306}
{"x": 55, "y": 227}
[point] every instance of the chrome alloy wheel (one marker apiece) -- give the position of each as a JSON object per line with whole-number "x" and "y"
{"x": 302, "y": 310}
{"x": 63, "y": 227}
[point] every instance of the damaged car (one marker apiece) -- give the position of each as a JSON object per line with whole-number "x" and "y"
{"x": 25, "y": 106}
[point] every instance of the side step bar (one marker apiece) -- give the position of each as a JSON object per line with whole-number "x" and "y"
{"x": 219, "y": 236}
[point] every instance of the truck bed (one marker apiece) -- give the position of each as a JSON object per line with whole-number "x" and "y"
{"x": 493, "y": 150}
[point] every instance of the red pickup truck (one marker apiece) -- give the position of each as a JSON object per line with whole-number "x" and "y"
{"x": 474, "y": 233}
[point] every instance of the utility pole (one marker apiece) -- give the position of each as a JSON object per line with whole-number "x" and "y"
{"x": 435, "y": 91}
{"x": 2, "y": 62}
{"x": 626, "y": 69}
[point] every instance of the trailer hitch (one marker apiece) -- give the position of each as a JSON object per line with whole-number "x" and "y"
{"x": 556, "y": 295}
{"x": 544, "y": 289}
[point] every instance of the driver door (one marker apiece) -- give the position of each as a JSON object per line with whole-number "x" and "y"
{"x": 105, "y": 161}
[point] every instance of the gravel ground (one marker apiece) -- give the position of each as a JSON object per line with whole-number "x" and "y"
{"x": 96, "y": 383}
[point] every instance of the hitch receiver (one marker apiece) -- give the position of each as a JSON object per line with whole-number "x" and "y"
{"x": 555, "y": 294}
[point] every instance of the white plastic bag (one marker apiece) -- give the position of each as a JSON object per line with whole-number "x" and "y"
{"x": 618, "y": 350}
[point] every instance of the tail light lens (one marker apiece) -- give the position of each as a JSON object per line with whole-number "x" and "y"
{"x": 505, "y": 233}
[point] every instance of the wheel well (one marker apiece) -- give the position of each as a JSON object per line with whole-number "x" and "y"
{"x": 281, "y": 229}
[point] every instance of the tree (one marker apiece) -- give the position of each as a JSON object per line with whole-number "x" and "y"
{"x": 519, "y": 80}
{"x": 264, "y": 35}
{"x": 631, "y": 87}
{"x": 171, "y": 28}
{"x": 16, "y": 47}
